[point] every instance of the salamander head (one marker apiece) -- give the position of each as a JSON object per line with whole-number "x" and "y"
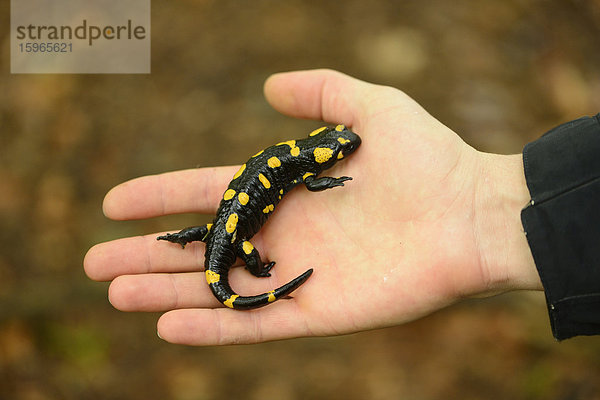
{"x": 333, "y": 144}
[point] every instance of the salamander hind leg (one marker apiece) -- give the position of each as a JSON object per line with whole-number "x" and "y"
{"x": 326, "y": 182}
{"x": 187, "y": 235}
{"x": 250, "y": 256}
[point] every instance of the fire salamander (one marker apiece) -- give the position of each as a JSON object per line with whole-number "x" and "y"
{"x": 252, "y": 195}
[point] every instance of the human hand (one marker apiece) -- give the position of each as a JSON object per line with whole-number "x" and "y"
{"x": 426, "y": 221}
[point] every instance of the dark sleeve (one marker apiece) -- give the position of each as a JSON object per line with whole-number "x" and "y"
{"x": 562, "y": 223}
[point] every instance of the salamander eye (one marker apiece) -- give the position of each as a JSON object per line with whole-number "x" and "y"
{"x": 350, "y": 143}
{"x": 349, "y": 148}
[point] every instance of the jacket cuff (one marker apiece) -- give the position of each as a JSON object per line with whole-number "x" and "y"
{"x": 562, "y": 223}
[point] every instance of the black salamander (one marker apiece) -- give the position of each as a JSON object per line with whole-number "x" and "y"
{"x": 252, "y": 195}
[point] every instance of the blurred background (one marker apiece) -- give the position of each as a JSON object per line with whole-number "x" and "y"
{"x": 499, "y": 73}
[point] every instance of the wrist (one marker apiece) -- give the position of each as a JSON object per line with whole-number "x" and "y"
{"x": 504, "y": 254}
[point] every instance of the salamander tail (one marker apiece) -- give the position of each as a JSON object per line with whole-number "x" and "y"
{"x": 223, "y": 292}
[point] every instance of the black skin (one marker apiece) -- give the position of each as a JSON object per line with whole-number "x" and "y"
{"x": 251, "y": 197}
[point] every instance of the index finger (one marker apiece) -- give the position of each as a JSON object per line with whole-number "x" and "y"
{"x": 192, "y": 190}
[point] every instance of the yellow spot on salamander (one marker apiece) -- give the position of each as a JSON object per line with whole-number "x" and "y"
{"x": 240, "y": 171}
{"x": 322, "y": 154}
{"x": 247, "y": 247}
{"x": 208, "y": 227}
{"x": 340, "y": 156}
{"x": 340, "y": 128}
{"x": 212, "y": 277}
{"x": 317, "y": 131}
{"x": 271, "y": 294}
{"x": 291, "y": 143}
{"x": 243, "y": 198}
{"x": 281, "y": 191}
{"x": 268, "y": 208}
{"x": 273, "y": 162}
{"x": 263, "y": 179}
{"x": 229, "y": 301}
{"x": 258, "y": 154}
{"x": 231, "y": 223}
{"x": 306, "y": 175}
{"x": 294, "y": 150}
{"x": 229, "y": 194}
{"x": 343, "y": 141}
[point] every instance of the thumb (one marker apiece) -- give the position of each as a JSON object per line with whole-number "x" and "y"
{"x": 319, "y": 94}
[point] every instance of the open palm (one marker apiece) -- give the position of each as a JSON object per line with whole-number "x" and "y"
{"x": 404, "y": 238}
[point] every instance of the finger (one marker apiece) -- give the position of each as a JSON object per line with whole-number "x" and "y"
{"x": 160, "y": 292}
{"x": 146, "y": 255}
{"x": 163, "y": 292}
{"x": 140, "y": 255}
{"x": 204, "y": 327}
{"x": 193, "y": 190}
{"x": 318, "y": 94}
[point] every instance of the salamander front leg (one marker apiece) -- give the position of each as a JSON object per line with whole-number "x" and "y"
{"x": 325, "y": 182}
{"x": 183, "y": 237}
{"x": 246, "y": 251}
